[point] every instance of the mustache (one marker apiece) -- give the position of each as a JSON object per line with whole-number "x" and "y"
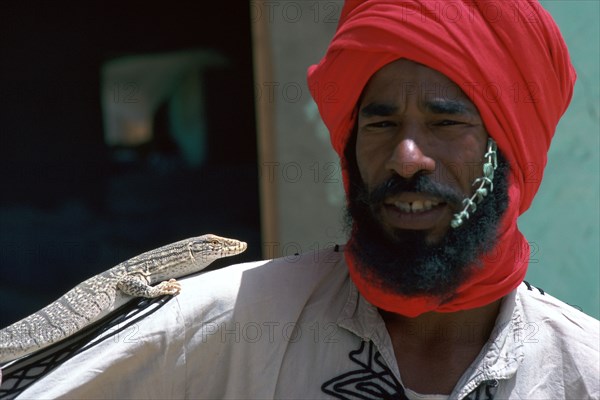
{"x": 419, "y": 183}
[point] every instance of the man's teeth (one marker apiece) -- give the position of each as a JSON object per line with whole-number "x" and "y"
{"x": 416, "y": 206}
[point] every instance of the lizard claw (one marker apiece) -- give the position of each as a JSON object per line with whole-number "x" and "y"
{"x": 170, "y": 287}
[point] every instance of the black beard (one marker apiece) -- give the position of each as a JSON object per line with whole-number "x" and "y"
{"x": 404, "y": 262}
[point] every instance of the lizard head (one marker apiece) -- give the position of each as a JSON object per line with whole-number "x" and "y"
{"x": 211, "y": 247}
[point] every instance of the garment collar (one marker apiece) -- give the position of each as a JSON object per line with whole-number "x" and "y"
{"x": 499, "y": 358}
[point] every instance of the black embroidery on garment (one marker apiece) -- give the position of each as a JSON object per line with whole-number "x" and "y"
{"x": 530, "y": 287}
{"x": 371, "y": 380}
{"x": 485, "y": 391}
{"x": 20, "y": 374}
{"x": 374, "y": 380}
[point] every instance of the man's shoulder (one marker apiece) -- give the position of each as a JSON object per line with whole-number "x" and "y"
{"x": 278, "y": 285}
{"x": 301, "y": 268}
{"x": 240, "y": 312}
{"x": 553, "y": 320}
{"x": 560, "y": 347}
{"x": 252, "y": 314}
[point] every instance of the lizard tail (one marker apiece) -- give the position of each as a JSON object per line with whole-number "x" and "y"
{"x": 53, "y": 323}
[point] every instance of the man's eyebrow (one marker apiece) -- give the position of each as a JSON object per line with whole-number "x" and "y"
{"x": 378, "y": 110}
{"x": 448, "y": 106}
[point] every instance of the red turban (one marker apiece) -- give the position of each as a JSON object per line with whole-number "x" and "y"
{"x": 509, "y": 58}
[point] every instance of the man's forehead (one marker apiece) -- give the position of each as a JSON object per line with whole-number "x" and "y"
{"x": 406, "y": 77}
{"x": 403, "y": 78}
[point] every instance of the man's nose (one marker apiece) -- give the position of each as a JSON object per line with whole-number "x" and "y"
{"x": 408, "y": 158}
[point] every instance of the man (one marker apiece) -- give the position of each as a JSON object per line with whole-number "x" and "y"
{"x": 426, "y": 300}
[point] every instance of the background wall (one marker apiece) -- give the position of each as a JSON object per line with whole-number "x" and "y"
{"x": 562, "y": 225}
{"x": 306, "y": 175}
{"x": 563, "y": 222}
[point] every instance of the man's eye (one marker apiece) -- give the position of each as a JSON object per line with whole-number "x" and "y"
{"x": 447, "y": 122}
{"x": 380, "y": 124}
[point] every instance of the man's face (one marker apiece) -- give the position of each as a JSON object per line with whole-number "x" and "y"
{"x": 418, "y": 145}
{"x": 411, "y": 120}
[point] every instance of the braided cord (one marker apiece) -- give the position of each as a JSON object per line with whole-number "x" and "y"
{"x": 485, "y": 185}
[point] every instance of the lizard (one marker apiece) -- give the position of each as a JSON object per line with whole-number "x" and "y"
{"x": 101, "y": 294}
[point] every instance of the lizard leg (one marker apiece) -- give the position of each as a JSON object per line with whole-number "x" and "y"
{"x": 136, "y": 286}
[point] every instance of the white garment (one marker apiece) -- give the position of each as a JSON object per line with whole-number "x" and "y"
{"x": 412, "y": 395}
{"x": 297, "y": 328}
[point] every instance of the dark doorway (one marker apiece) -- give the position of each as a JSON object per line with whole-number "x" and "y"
{"x": 71, "y": 205}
